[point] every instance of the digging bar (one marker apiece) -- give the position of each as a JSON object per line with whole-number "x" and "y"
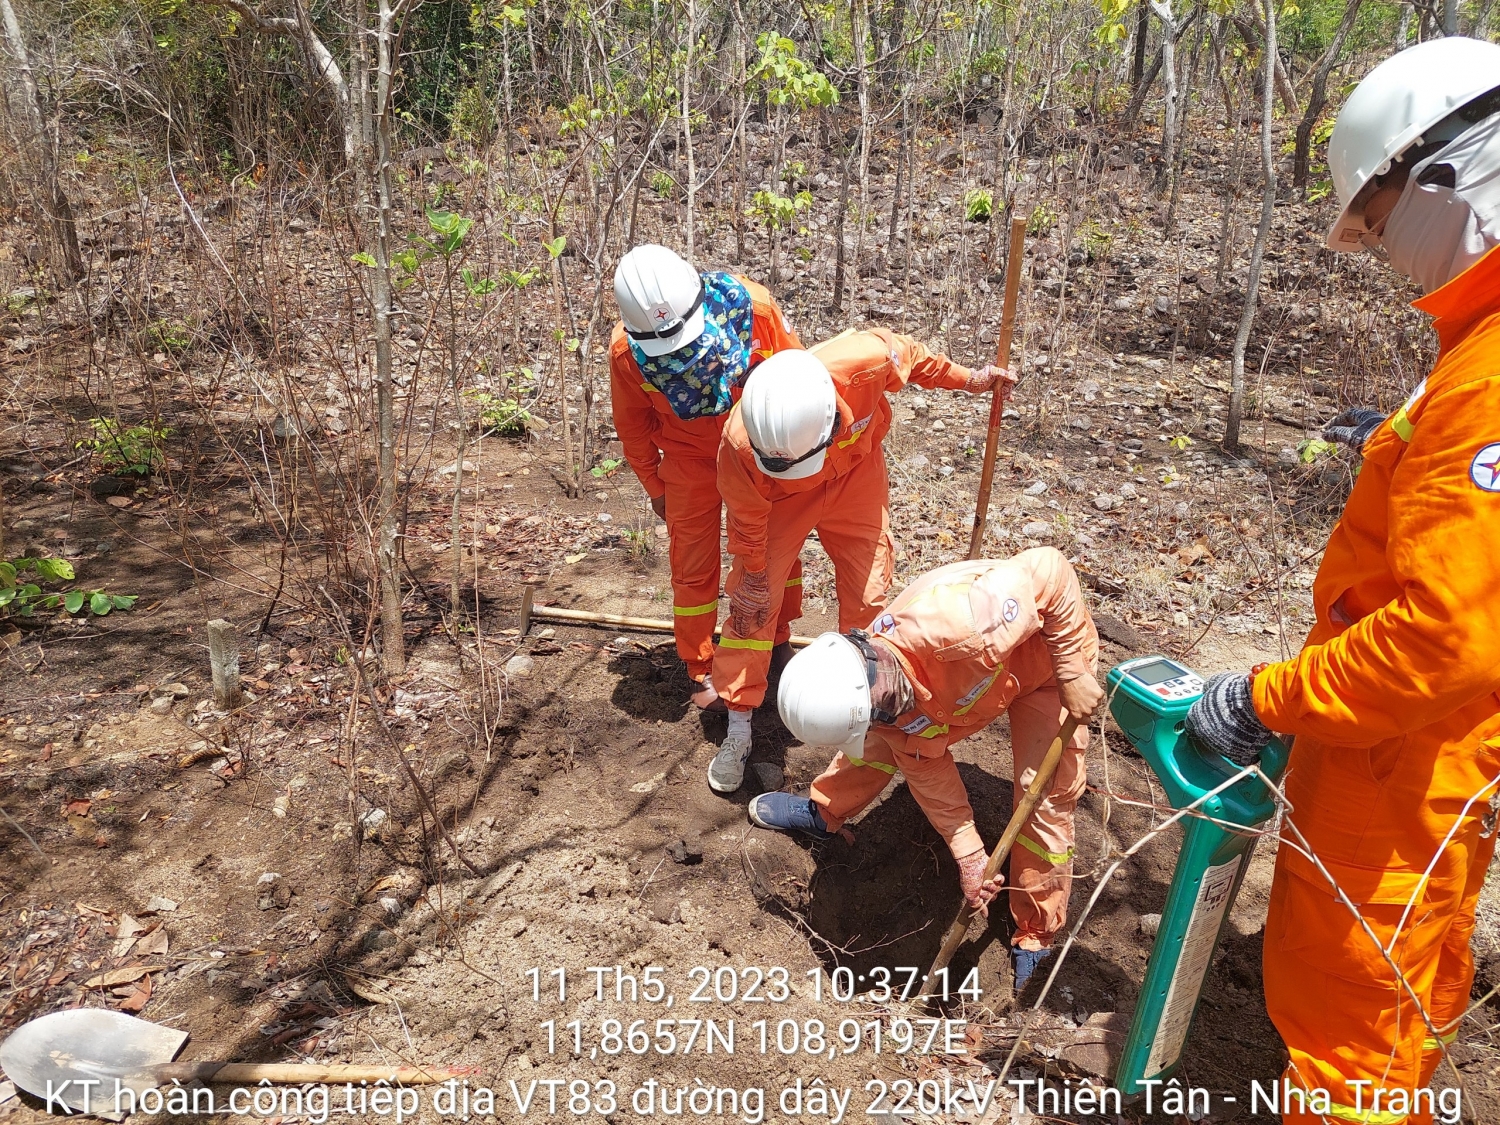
{"x": 1013, "y": 266}
{"x": 1038, "y": 788}
{"x": 531, "y": 612}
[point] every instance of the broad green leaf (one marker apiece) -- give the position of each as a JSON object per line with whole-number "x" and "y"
{"x": 100, "y": 604}
{"x": 74, "y": 600}
{"x": 556, "y": 246}
{"x": 7, "y": 595}
{"x": 123, "y": 601}
{"x": 58, "y": 570}
{"x": 364, "y": 259}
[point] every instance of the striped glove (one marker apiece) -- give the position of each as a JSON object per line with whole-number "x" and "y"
{"x": 1224, "y": 719}
{"x": 1354, "y": 426}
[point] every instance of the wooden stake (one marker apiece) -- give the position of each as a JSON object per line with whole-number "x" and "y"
{"x": 1038, "y": 788}
{"x": 531, "y": 612}
{"x": 224, "y": 660}
{"x": 997, "y": 399}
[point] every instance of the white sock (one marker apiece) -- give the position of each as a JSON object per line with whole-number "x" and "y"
{"x": 739, "y": 725}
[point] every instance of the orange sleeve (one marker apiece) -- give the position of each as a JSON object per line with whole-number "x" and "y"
{"x": 913, "y": 363}
{"x": 1066, "y": 627}
{"x": 636, "y": 422}
{"x": 939, "y": 791}
{"x": 1435, "y": 647}
{"x": 747, "y": 507}
{"x": 771, "y": 332}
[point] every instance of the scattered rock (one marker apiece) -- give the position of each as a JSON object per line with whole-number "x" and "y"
{"x": 275, "y": 893}
{"x": 373, "y": 823}
{"x": 102, "y": 487}
{"x": 1107, "y": 502}
{"x": 939, "y": 426}
{"x": 1081, "y": 422}
{"x": 159, "y": 905}
{"x": 1036, "y": 488}
{"x": 919, "y": 406}
{"x": 771, "y": 776}
{"x": 1150, "y": 924}
{"x": 391, "y": 906}
{"x": 376, "y": 940}
{"x": 684, "y": 852}
{"x": 1037, "y": 530}
{"x": 452, "y": 470}
{"x": 1128, "y": 491}
{"x": 520, "y": 666}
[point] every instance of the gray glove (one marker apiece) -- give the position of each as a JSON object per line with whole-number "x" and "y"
{"x": 1354, "y": 426}
{"x": 1224, "y": 719}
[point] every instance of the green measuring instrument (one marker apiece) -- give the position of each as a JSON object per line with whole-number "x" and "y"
{"x": 1149, "y": 698}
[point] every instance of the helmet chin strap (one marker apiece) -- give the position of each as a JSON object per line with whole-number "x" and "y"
{"x": 888, "y": 682}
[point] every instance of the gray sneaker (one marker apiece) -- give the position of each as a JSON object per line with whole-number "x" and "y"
{"x": 727, "y": 771}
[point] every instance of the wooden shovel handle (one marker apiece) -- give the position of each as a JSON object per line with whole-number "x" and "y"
{"x": 292, "y": 1074}
{"x": 997, "y": 400}
{"x": 1038, "y": 788}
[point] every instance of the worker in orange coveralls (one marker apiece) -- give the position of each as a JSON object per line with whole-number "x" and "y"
{"x": 1394, "y": 700}
{"x": 802, "y": 450}
{"x": 677, "y": 362}
{"x": 958, "y": 648}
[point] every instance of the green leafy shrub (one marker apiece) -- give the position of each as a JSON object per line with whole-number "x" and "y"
{"x": 979, "y": 206}
{"x": 22, "y": 591}
{"x": 126, "y": 449}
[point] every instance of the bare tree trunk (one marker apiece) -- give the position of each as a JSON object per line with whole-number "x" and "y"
{"x": 1450, "y": 17}
{"x": 1252, "y": 34}
{"x": 1138, "y": 99}
{"x": 741, "y": 35}
{"x": 373, "y": 131}
{"x": 839, "y": 264}
{"x": 1317, "y": 96}
{"x": 687, "y": 124}
{"x": 1258, "y": 251}
{"x": 1142, "y": 30}
{"x": 1403, "y": 29}
{"x": 1169, "y": 33}
{"x": 26, "y": 108}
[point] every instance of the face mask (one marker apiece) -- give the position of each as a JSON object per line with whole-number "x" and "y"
{"x": 1436, "y": 232}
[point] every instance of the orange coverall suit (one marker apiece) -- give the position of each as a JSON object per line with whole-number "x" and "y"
{"x": 978, "y": 640}
{"x": 1393, "y": 701}
{"x": 675, "y": 458}
{"x": 848, "y": 501}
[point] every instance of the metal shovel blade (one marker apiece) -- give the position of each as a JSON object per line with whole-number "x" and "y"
{"x": 50, "y": 1054}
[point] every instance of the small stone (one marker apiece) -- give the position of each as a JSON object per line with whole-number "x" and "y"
{"x": 919, "y": 405}
{"x": 939, "y": 426}
{"x": 374, "y": 821}
{"x": 377, "y": 940}
{"x": 1081, "y": 422}
{"x": 1036, "y": 488}
{"x": 1122, "y": 304}
{"x": 391, "y": 906}
{"x": 684, "y": 852}
{"x": 1106, "y": 502}
{"x": 1287, "y": 456}
{"x": 159, "y": 905}
{"x": 1180, "y": 619}
{"x": 268, "y": 878}
{"x": 1128, "y": 491}
{"x": 1150, "y": 924}
{"x": 452, "y": 470}
{"x": 520, "y": 666}
{"x": 604, "y": 517}
{"x": 1162, "y": 304}
{"x": 1037, "y": 530}
{"x": 771, "y": 776}
{"x": 280, "y": 805}
{"x": 945, "y": 470}
{"x": 545, "y": 635}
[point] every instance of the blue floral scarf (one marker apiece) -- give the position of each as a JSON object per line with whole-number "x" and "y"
{"x": 699, "y": 379}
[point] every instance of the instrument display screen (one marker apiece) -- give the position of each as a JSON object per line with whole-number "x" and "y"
{"x": 1156, "y": 672}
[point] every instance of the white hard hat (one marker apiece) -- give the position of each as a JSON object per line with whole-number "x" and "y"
{"x": 1400, "y": 104}
{"x": 660, "y": 298}
{"x": 791, "y": 414}
{"x": 824, "y": 698}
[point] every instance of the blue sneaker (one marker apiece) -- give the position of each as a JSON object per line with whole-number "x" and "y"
{"x": 1025, "y": 962}
{"x": 786, "y": 813}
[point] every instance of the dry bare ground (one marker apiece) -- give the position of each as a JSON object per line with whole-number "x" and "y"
{"x": 273, "y": 872}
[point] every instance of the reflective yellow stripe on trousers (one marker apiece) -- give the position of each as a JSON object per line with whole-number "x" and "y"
{"x": 1054, "y": 858}
{"x": 695, "y": 610}
{"x": 883, "y": 767}
{"x": 746, "y": 642}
